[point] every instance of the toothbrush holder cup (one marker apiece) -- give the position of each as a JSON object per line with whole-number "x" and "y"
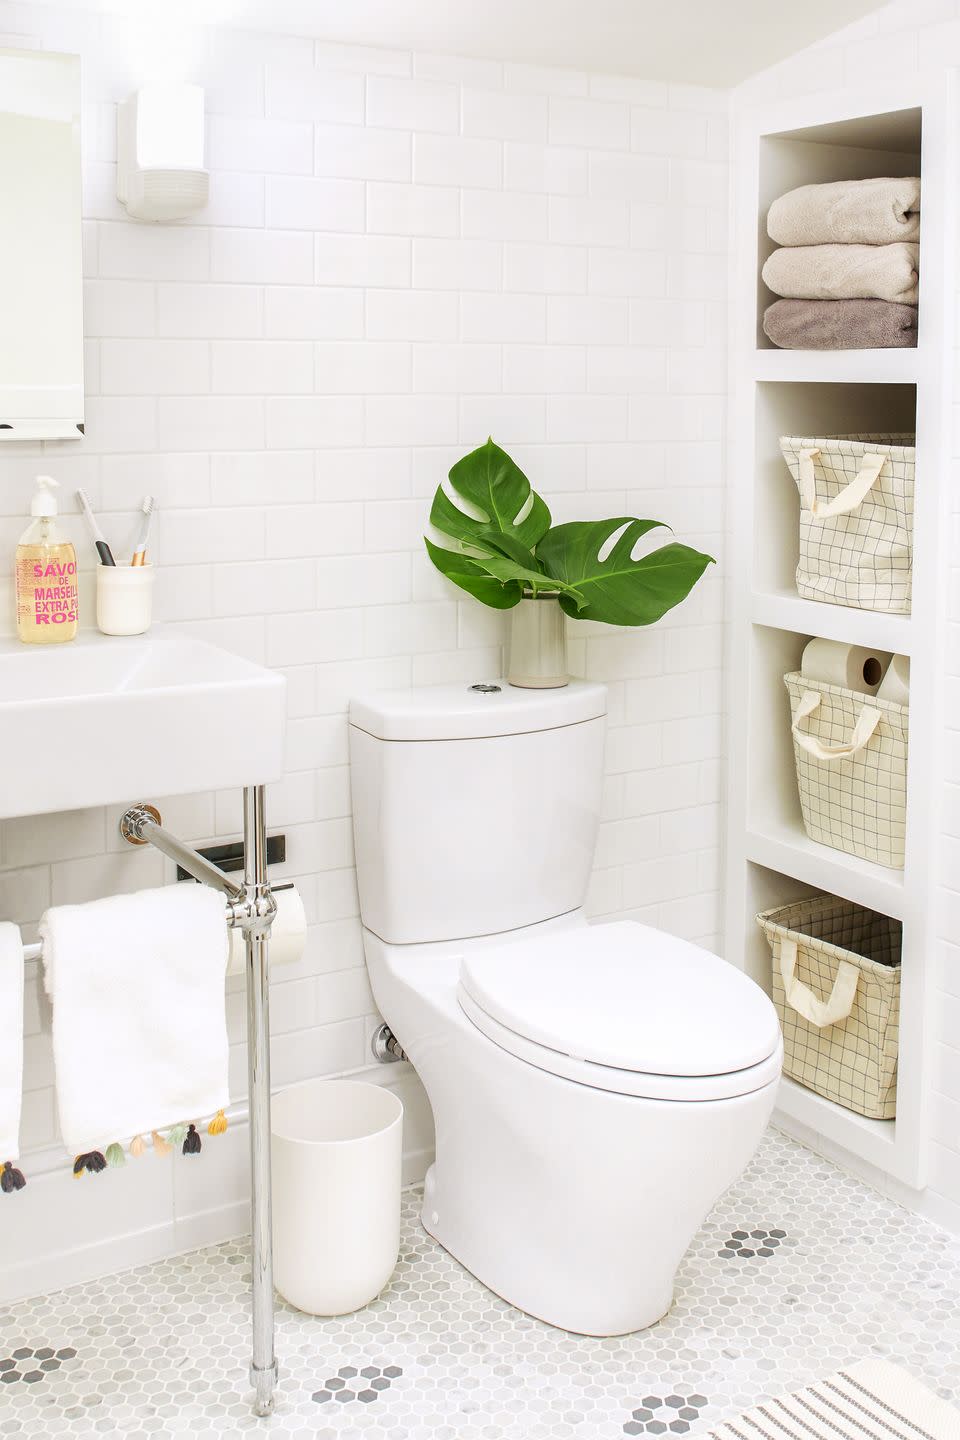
{"x": 125, "y": 599}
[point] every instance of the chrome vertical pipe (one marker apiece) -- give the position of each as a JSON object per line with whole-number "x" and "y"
{"x": 262, "y": 907}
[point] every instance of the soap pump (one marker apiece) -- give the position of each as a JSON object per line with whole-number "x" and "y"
{"x": 48, "y": 602}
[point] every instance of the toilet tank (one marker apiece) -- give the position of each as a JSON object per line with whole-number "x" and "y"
{"x": 475, "y": 809}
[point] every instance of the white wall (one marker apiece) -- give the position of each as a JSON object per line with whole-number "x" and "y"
{"x": 402, "y": 254}
{"x": 913, "y": 39}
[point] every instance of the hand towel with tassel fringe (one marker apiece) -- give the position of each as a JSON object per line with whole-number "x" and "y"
{"x": 139, "y": 1019}
{"x": 11, "y": 1053}
{"x": 844, "y": 272}
{"x": 848, "y": 212}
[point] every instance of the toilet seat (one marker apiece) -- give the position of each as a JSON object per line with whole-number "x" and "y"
{"x": 625, "y": 1008}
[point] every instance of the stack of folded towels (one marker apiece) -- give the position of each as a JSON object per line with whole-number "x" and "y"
{"x": 848, "y": 267}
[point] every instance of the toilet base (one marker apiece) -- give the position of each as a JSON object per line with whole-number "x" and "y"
{"x": 660, "y": 1313}
{"x": 574, "y": 1204}
{"x": 654, "y": 1307}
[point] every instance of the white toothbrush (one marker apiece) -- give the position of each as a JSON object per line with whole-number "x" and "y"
{"x": 140, "y": 550}
{"x": 99, "y": 540}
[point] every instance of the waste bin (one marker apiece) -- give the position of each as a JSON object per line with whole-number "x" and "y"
{"x": 336, "y": 1193}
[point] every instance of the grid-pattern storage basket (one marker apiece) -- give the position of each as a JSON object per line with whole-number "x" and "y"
{"x": 836, "y": 986}
{"x": 851, "y": 757}
{"x": 856, "y": 518}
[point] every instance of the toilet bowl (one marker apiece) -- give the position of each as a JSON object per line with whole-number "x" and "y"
{"x": 595, "y": 1088}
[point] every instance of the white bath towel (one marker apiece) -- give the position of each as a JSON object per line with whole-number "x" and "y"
{"x": 139, "y": 1023}
{"x": 845, "y": 272}
{"x": 848, "y": 212}
{"x": 11, "y": 1040}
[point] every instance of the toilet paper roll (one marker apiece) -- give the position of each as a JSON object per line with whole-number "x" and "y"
{"x": 288, "y": 934}
{"x": 895, "y": 684}
{"x": 853, "y": 666}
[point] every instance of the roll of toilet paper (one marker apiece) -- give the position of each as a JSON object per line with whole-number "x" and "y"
{"x": 853, "y": 666}
{"x": 288, "y": 934}
{"x": 895, "y": 684}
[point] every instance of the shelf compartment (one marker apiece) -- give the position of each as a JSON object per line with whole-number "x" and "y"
{"x": 809, "y": 409}
{"x": 784, "y": 610}
{"x": 888, "y": 143}
{"x": 773, "y": 821}
{"x": 768, "y": 881}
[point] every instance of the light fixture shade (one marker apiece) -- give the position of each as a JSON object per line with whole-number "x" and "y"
{"x": 160, "y": 170}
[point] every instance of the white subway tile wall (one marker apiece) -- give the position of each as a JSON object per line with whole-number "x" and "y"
{"x": 403, "y": 255}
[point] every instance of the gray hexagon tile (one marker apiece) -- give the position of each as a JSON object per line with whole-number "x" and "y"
{"x": 755, "y": 1244}
{"x": 799, "y": 1270}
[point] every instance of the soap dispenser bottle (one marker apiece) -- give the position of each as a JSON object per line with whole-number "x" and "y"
{"x": 48, "y": 602}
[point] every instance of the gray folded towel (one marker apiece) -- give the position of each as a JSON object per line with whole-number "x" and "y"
{"x": 848, "y": 212}
{"x": 845, "y": 272}
{"x": 840, "y": 325}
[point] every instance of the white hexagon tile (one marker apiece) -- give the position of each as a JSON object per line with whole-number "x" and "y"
{"x": 799, "y": 1270}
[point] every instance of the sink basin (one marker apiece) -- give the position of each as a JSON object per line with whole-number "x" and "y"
{"x": 105, "y": 720}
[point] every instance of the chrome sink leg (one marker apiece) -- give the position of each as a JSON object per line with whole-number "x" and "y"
{"x": 262, "y": 907}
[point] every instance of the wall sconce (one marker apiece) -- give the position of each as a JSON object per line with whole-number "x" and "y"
{"x": 160, "y": 170}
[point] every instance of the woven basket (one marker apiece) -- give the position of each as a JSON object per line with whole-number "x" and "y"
{"x": 851, "y": 757}
{"x": 836, "y": 986}
{"x": 856, "y": 518}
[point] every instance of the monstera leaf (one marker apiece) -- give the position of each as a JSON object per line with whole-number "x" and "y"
{"x": 618, "y": 589}
{"x": 470, "y": 576}
{"x": 494, "y": 485}
{"x": 496, "y": 562}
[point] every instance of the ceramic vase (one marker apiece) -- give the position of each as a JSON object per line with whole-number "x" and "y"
{"x": 538, "y": 644}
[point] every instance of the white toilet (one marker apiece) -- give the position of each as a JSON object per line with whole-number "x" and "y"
{"x": 595, "y": 1087}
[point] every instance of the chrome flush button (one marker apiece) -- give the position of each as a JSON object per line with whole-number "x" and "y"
{"x": 484, "y": 689}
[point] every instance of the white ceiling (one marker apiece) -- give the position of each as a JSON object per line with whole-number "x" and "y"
{"x": 702, "y": 42}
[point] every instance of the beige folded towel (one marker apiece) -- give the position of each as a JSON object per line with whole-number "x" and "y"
{"x": 844, "y": 272}
{"x": 848, "y": 212}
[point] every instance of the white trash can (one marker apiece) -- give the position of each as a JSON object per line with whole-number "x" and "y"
{"x": 336, "y": 1193}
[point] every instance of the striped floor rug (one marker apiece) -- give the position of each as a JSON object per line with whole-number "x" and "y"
{"x": 872, "y": 1400}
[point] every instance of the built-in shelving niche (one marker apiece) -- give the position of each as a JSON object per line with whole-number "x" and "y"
{"x": 770, "y": 859}
{"x": 854, "y": 149}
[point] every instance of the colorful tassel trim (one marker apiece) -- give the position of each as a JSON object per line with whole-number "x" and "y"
{"x": 11, "y": 1178}
{"x": 92, "y": 1161}
{"x": 186, "y": 1137}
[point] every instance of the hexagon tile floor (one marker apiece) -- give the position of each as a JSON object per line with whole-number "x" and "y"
{"x": 799, "y": 1270}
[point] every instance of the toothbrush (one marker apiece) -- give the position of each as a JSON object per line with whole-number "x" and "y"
{"x": 140, "y": 552}
{"x": 103, "y": 549}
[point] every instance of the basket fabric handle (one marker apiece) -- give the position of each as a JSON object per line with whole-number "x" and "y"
{"x": 849, "y": 497}
{"x": 819, "y": 1012}
{"x": 867, "y": 722}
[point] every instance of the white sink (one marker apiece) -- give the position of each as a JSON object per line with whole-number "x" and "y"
{"x": 104, "y": 720}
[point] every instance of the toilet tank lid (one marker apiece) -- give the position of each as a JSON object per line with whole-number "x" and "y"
{"x": 472, "y": 712}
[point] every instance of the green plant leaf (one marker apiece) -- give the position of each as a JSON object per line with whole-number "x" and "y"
{"x": 489, "y": 541}
{"x": 468, "y": 574}
{"x": 533, "y": 581}
{"x": 490, "y": 481}
{"x": 619, "y": 590}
